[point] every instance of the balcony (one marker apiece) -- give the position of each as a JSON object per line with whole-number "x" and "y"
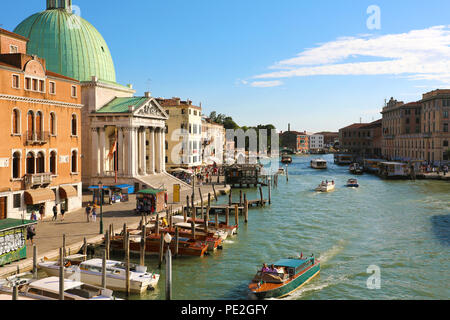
{"x": 38, "y": 180}
{"x": 40, "y": 138}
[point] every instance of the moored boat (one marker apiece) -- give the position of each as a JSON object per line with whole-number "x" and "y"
{"x": 352, "y": 183}
{"x": 355, "y": 168}
{"x": 326, "y": 186}
{"x": 286, "y": 159}
{"x": 90, "y": 272}
{"x": 319, "y": 164}
{"x": 290, "y": 275}
{"x": 222, "y": 229}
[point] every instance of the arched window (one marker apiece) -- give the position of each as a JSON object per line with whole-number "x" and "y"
{"x": 39, "y": 125}
{"x": 40, "y": 163}
{"x": 74, "y": 125}
{"x": 74, "y": 161}
{"x": 16, "y": 121}
{"x": 30, "y": 163}
{"x": 30, "y": 125}
{"x": 16, "y": 165}
{"x": 52, "y": 124}
{"x": 53, "y": 162}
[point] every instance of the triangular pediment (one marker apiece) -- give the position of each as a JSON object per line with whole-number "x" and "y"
{"x": 151, "y": 109}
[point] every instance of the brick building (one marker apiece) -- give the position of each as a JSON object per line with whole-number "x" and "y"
{"x": 362, "y": 139}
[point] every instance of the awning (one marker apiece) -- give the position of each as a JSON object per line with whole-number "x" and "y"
{"x": 39, "y": 196}
{"x": 66, "y": 192}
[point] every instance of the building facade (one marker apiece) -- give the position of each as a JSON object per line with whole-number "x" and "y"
{"x": 362, "y": 139}
{"x": 184, "y": 133}
{"x": 213, "y": 142}
{"x": 316, "y": 142}
{"x": 40, "y": 154}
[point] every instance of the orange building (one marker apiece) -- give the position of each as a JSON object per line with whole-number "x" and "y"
{"x": 40, "y": 127}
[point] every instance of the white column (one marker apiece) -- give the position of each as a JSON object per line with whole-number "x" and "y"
{"x": 102, "y": 150}
{"x": 136, "y": 151}
{"x": 131, "y": 164}
{"x": 158, "y": 150}
{"x": 95, "y": 166}
{"x": 120, "y": 151}
{"x": 163, "y": 150}
{"x": 152, "y": 150}
{"x": 143, "y": 150}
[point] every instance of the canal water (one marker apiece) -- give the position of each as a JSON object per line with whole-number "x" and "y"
{"x": 400, "y": 229}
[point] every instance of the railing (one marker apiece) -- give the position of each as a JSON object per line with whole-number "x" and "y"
{"x": 38, "y": 179}
{"x": 37, "y": 137}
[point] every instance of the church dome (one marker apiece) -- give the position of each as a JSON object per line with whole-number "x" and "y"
{"x": 70, "y": 45}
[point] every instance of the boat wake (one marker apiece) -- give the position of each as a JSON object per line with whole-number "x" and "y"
{"x": 334, "y": 251}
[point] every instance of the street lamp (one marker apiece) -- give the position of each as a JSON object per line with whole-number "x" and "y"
{"x": 100, "y": 187}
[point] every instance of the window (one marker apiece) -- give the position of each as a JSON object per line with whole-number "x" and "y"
{"x": 74, "y": 91}
{"x": 16, "y": 121}
{"x": 183, "y": 111}
{"x": 35, "y": 84}
{"x": 30, "y": 125}
{"x": 17, "y": 200}
{"x": 40, "y": 163}
{"x": 52, "y": 124}
{"x": 16, "y": 165}
{"x": 53, "y": 162}
{"x": 28, "y": 83}
{"x": 13, "y": 49}
{"x": 445, "y": 127}
{"x": 16, "y": 81}
{"x": 74, "y": 125}
{"x": 41, "y": 86}
{"x": 30, "y": 163}
{"x": 74, "y": 161}
{"x": 446, "y": 114}
{"x": 445, "y": 143}
{"x": 52, "y": 87}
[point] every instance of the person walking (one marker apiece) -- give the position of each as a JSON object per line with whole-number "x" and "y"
{"x": 42, "y": 212}
{"x": 55, "y": 213}
{"x": 33, "y": 216}
{"x": 88, "y": 212}
{"x": 94, "y": 213}
{"x": 31, "y": 232}
{"x": 63, "y": 211}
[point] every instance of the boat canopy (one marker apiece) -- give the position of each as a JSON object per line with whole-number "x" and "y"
{"x": 291, "y": 263}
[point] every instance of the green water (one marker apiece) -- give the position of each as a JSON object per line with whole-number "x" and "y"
{"x": 403, "y": 227}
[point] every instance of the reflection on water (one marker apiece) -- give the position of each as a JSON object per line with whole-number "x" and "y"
{"x": 400, "y": 226}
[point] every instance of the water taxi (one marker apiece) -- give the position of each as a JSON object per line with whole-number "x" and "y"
{"x": 319, "y": 164}
{"x": 355, "y": 168}
{"x": 48, "y": 289}
{"x": 90, "y": 272}
{"x": 286, "y": 159}
{"x": 290, "y": 275}
{"x": 352, "y": 183}
{"x": 326, "y": 186}
{"x": 343, "y": 159}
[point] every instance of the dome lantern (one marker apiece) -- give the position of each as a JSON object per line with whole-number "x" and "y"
{"x": 59, "y": 4}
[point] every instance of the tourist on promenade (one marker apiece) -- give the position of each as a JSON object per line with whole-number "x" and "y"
{"x": 94, "y": 213}
{"x": 55, "y": 213}
{"x": 88, "y": 212}
{"x": 63, "y": 211}
{"x": 42, "y": 212}
{"x": 31, "y": 232}
{"x": 33, "y": 216}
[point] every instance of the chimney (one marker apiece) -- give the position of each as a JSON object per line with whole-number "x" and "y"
{"x": 289, "y": 127}
{"x": 94, "y": 78}
{"x": 148, "y": 94}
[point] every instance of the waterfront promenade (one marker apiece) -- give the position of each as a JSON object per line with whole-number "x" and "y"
{"x": 49, "y": 234}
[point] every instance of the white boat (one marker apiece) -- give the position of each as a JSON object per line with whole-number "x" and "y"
{"x": 352, "y": 183}
{"x": 319, "y": 164}
{"x": 326, "y": 186}
{"x": 48, "y": 289}
{"x": 90, "y": 272}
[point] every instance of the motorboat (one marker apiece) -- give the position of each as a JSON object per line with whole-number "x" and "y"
{"x": 326, "y": 186}
{"x": 319, "y": 164}
{"x": 355, "y": 168}
{"x": 286, "y": 159}
{"x": 289, "y": 275}
{"x": 352, "y": 183}
{"x": 90, "y": 271}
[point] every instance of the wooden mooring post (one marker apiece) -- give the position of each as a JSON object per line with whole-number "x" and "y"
{"x": 227, "y": 216}
{"x": 35, "y": 276}
{"x": 241, "y": 201}
{"x": 217, "y": 220}
{"x": 193, "y": 229}
{"x": 64, "y": 246}
{"x": 246, "y": 211}
{"x": 168, "y": 275}
{"x": 142, "y": 247}
{"x": 214, "y": 190}
{"x": 107, "y": 245}
{"x": 127, "y": 263}
{"x": 270, "y": 191}
{"x": 85, "y": 248}
{"x": 15, "y": 293}
{"x": 61, "y": 274}
{"x": 206, "y": 220}
{"x": 261, "y": 196}
{"x": 287, "y": 174}
{"x": 236, "y": 214}
{"x": 177, "y": 238}
{"x": 104, "y": 270}
{"x": 161, "y": 250}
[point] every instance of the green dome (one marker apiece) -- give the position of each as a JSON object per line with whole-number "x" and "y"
{"x": 70, "y": 45}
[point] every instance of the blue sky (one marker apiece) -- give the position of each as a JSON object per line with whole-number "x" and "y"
{"x": 314, "y": 64}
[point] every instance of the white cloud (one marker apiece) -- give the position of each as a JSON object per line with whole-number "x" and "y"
{"x": 416, "y": 55}
{"x": 266, "y": 84}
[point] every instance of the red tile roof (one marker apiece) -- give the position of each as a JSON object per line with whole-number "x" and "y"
{"x": 12, "y": 34}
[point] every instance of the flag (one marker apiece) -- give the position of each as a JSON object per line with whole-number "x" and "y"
{"x": 113, "y": 148}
